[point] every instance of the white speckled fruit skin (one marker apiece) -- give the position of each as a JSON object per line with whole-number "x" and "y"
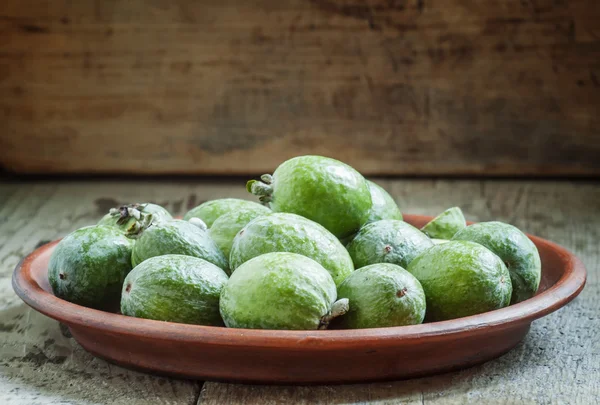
{"x": 93, "y": 262}
{"x": 227, "y": 226}
{"x": 174, "y": 288}
{"x": 210, "y": 211}
{"x": 323, "y": 190}
{"x": 382, "y": 295}
{"x": 281, "y": 232}
{"x": 177, "y": 237}
{"x": 387, "y": 241}
{"x": 278, "y": 291}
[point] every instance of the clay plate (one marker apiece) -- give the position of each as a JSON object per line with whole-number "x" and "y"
{"x": 332, "y": 356}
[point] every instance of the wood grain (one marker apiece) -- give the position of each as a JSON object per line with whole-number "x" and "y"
{"x": 556, "y": 363}
{"x": 232, "y": 87}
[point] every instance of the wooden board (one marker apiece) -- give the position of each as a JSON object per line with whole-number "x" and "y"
{"x": 504, "y": 87}
{"x": 558, "y": 362}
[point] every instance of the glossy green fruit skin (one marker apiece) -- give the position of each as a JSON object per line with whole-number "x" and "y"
{"x": 515, "y": 249}
{"x": 209, "y": 211}
{"x": 323, "y": 190}
{"x": 445, "y": 225}
{"x": 382, "y": 295}
{"x": 88, "y": 266}
{"x": 174, "y": 288}
{"x": 387, "y": 241}
{"x": 180, "y": 238}
{"x": 278, "y": 291}
{"x": 461, "y": 278}
{"x": 227, "y": 226}
{"x": 384, "y": 206}
{"x": 282, "y": 232}
{"x": 158, "y": 214}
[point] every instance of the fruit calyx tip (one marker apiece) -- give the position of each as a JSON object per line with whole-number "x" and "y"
{"x": 143, "y": 222}
{"x": 262, "y": 189}
{"x": 339, "y": 308}
{"x": 198, "y": 222}
{"x": 267, "y": 178}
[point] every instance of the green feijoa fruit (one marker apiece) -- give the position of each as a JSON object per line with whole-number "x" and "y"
{"x": 445, "y": 225}
{"x": 384, "y": 206}
{"x": 225, "y": 228}
{"x": 88, "y": 266}
{"x": 209, "y": 211}
{"x": 387, "y": 241}
{"x": 280, "y": 290}
{"x": 126, "y": 216}
{"x": 174, "y": 288}
{"x": 515, "y": 249}
{"x": 321, "y": 189}
{"x": 461, "y": 278}
{"x": 281, "y": 232}
{"x": 179, "y": 238}
{"x": 382, "y": 295}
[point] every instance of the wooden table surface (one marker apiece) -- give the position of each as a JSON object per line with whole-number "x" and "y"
{"x": 558, "y": 362}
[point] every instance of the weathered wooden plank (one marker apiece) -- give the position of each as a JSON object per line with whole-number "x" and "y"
{"x": 392, "y": 87}
{"x": 557, "y": 363}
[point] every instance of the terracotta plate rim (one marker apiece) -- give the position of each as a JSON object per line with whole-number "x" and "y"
{"x": 563, "y": 291}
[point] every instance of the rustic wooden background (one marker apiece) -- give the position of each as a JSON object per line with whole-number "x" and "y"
{"x": 426, "y": 87}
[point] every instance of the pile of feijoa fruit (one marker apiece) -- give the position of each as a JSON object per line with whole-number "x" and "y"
{"x": 324, "y": 248}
